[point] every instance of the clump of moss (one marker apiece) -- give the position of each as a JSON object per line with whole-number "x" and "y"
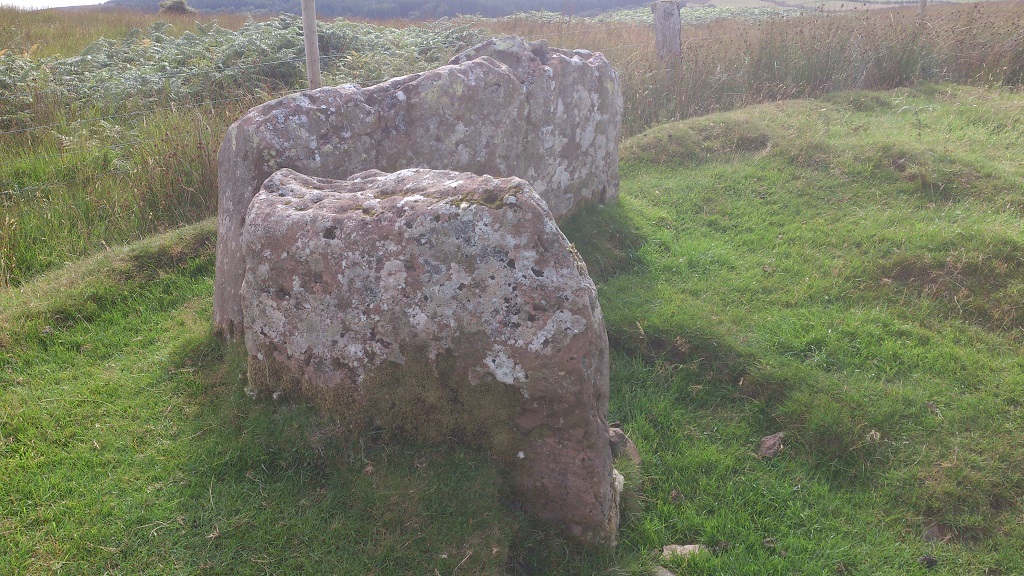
{"x": 424, "y": 400}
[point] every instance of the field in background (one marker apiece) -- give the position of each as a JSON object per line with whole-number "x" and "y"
{"x": 844, "y": 269}
{"x": 752, "y": 58}
{"x": 63, "y": 33}
{"x": 70, "y": 123}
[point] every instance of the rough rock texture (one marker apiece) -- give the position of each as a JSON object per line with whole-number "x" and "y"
{"x": 503, "y": 108}
{"x": 622, "y": 446}
{"x": 440, "y": 305}
{"x": 682, "y": 550}
{"x": 771, "y": 446}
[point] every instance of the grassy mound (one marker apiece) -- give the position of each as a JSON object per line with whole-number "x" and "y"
{"x": 846, "y": 271}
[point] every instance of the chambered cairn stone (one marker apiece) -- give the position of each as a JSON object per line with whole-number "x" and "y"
{"x": 438, "y": 305}
{"x": 504, "y": 108}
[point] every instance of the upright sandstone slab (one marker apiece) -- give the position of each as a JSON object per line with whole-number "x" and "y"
{"x": 503, "y": 108}
{"x": 440, "y": 305}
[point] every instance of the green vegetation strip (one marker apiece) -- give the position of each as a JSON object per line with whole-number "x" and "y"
{"x": 846, "y": 271}
{"x": 127, "y": 445}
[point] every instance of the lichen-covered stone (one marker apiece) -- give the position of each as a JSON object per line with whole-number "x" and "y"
{"x": 439, "y": 305}
{"x": 503, "y": 108}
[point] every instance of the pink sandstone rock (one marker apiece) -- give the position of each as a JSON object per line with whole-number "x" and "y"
{"x": 771, "y": 446}
{"x": 503, "y": 108}
{"x": 682, "y": 550}
{"x": 439, "y": 305}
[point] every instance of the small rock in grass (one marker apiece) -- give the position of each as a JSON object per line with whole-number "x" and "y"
{"x": 682, "y": 550}
{"x": 662, "y": 571}
{"x": 622, "y": 445}
{"x": 770, "y": 446}
{"x": 928, "y": 561}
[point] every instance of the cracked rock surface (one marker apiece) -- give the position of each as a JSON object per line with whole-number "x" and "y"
{"x": 439, "y": 305}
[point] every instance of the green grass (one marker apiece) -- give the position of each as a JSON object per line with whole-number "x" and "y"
{"x": 122, "y": 144}
{"x": 847, "y": 271}
{"x": 127, "y": 445}
{"x": 118, "y": 184}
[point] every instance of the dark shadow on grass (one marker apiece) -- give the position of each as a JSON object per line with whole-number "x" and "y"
{"x": 837, "y": 441}
{"x": 833, "y": 433}
{"x": 606, "y": 238}
{"x": 276, "y": 485}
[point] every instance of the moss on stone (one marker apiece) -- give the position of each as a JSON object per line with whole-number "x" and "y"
{"x": 429, "y": 401}
{"x": 434, "y": 401}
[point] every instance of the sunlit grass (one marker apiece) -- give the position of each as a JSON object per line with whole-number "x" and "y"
{"x": 733, "y": 62}
{"x": 845, "y": 271}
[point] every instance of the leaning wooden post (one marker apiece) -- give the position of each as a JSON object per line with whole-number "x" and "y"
{"x": 312, "y": 47}
{"x": 668, "y": 34}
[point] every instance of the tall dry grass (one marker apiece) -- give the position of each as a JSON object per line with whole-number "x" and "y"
{"x": 65, "y": 32}
{"x": 112, "y": 185}
{"x": 727, "y": 64}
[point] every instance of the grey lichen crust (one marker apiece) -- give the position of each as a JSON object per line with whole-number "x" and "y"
{"x": 503, "y": 108}
{"x": 440, "y": 305}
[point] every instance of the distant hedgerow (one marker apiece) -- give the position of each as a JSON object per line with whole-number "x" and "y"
{"x": 176, "y": 7}
{"x": 154, "y": 67}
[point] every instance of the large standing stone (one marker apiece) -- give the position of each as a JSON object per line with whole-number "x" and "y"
{"x": 441, "y": 305}
{"x": 503, "y": 108}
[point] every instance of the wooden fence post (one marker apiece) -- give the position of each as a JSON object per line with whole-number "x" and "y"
{"x": 667, "y": 34}
{"x": 922, "y": 6}
{"x": 312, "y": 47}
